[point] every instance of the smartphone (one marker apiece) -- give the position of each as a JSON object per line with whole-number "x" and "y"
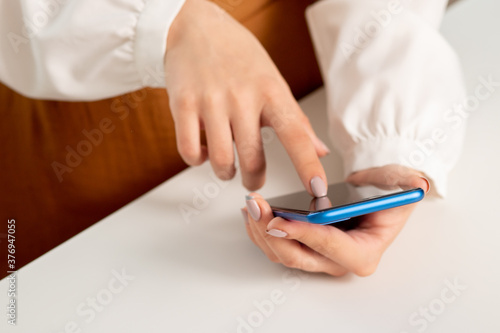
{"x": 343, "y": 202}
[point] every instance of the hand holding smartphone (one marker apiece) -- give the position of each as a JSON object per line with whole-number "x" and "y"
{"x": 356, "y": 245}
{"x": 342, "y": 202}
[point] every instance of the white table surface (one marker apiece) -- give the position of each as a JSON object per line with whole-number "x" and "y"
{"x": 205, "y": 275}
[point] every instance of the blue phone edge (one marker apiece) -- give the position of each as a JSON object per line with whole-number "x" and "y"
{"x": 357, "y": 209}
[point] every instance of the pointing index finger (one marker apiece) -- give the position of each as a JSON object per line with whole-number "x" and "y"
{"x": 287, "y": 124}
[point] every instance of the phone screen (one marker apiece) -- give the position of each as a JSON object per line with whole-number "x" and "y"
{"x": 340, "y": 194}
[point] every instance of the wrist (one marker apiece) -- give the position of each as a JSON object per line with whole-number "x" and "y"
{"x": 176, "y": 25}
{"x": 190, "y": 14}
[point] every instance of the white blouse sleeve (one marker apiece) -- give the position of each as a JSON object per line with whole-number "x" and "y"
{"x": 394, "y": 85}
{"x": 83, "y": 50}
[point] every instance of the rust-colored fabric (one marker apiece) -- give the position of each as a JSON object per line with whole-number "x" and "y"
{"x": 67, "y": 165}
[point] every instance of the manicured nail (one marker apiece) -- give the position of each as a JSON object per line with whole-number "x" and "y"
{"x": 277, "y": 233}
{"x": 428, "y": 184}
{"x": 245, "y": 215}
{"x": 318, "y": 187}
{"x": 253, "y": 208}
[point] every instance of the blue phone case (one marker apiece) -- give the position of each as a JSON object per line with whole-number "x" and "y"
{"x": 342, "y": 213}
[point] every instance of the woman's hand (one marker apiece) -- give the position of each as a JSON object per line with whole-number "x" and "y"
{"x": 220, "y": 79}
{"x": 324, "y": 248}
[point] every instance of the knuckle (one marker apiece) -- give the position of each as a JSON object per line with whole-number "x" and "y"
{"x": 239, "y": 95}
{"x": 212, "y": 99}
{"x": 303, "y": 263}
{"x": 284, "y": 118}
{"x": 249, "y": 148}
{"x": 272, "y": 87}
{"x": 226, "y": 173}
{"x": 309, "y": 264}
{"x": 253, "y": 165}
{"x": 189, "y": 152}
{"x": 184, "y": 101}
{"x": 366, "y": 269}
{"x": 223, "y": 165}
{"x": 291, "y": 262}
{"x": 268, "y": 82}
{"x": 222, "y": 159}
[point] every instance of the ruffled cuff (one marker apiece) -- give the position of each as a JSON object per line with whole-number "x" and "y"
{"x": 393, "y": 85}
{"x": 401, "y": 151}
{"x": 151, "y": 39}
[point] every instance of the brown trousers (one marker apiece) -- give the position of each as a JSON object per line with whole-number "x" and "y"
{"x": 65, "y": 166}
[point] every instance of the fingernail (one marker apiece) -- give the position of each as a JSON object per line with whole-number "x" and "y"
{"x": 428, "y": 184}
{"x": 277, "y": 233}
{"x": 245, "y": 215}
{"x": 253, "y": 208}
{"x": 325, "y": 147}
{"x": 318, "y": 187}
